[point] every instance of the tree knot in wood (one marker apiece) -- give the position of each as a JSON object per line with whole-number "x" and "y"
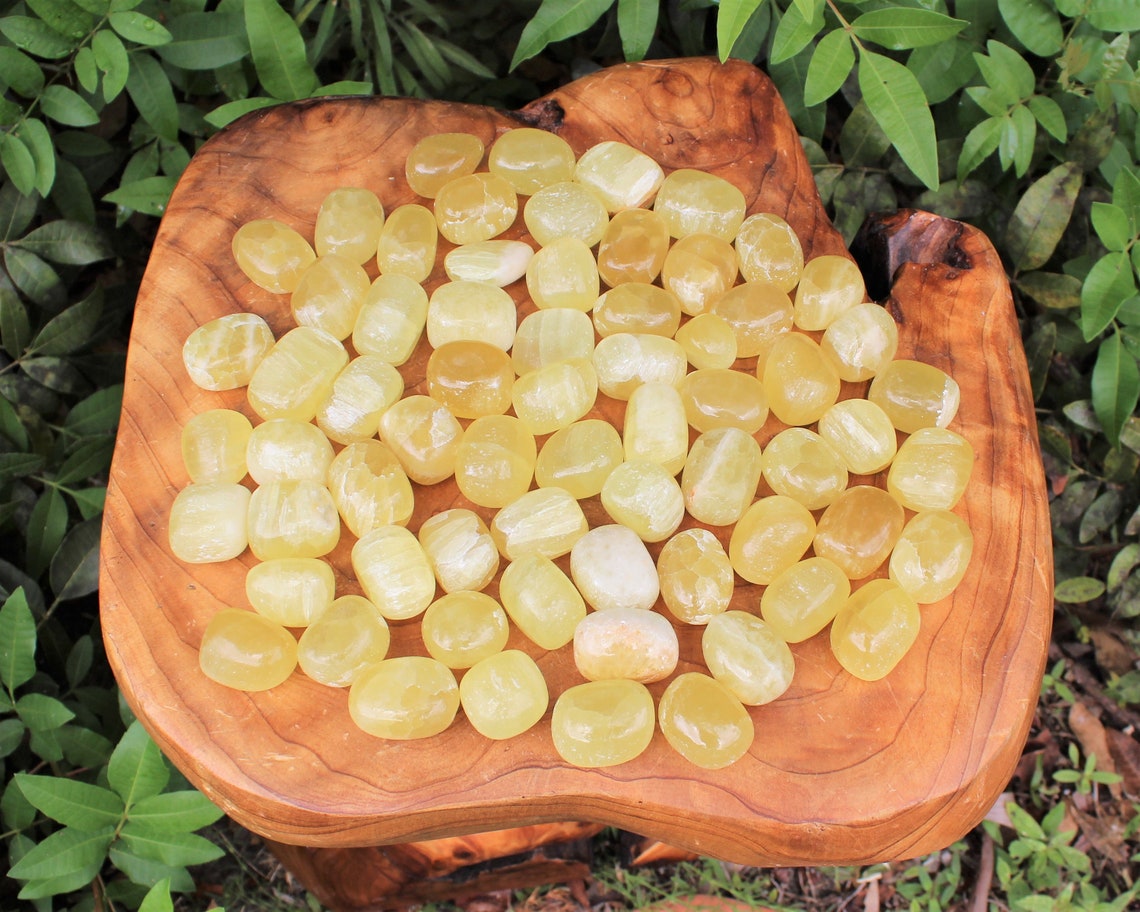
{"x": 547, "y": 114}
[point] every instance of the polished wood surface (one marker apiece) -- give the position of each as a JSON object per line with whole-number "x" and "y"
{"x": 842, "y": 771}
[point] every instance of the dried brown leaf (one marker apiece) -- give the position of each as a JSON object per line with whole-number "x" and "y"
{"x": 1113, "y": 655}
{"x": 1125, "y": 751}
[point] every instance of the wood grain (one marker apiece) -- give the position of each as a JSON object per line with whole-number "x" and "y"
{"x": 841, "y": 772}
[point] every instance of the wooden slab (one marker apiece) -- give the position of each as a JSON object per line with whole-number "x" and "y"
{"x": 841, "y": 772}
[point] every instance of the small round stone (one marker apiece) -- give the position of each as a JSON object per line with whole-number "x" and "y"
{"x": 504, "y": 695}
{"x": 404, "y": 698}
{"x": 704, "y": 722}
{"x": 861, "y": 433}
{"x": 655, "y": 427}
{"x": 209, "y": 522}
{"x": 579, "y": 458}
{"x": 772, "y": 535}
{"x": 637, "y": 307}
{"x": 804, "y": 598}
{"x": 271, "y": 254}
{"x": 213, "y": 446}
{"x": 391, "y": 319}
{"x": 530, "y": 159}
{"x": 246, "y": 651}
{"x": 497, "y": 261}
{"x": 348, "y": 224}
{"x": 471, "y": 379}
{"x": 626, "y": 643}
{"x": 329, "y": 295}
{"x": 462, "y": 628}
{"x": 931, "y": 469}
{"x": 769, "y": 251}
{"x": 800, "y": 382}
{"x": 342, "y": 642}
{"x": 282, "y": 448}
{"x": 467, "y": 311}
{"x": 859, "y": 529}
{"x": 546, "y": 336}
{"x": 224, "y": 353}
{"x": 644, "y": 497}
{"x": 566, "y": 209}
{"x": 874, "y": 629}
{"x": 612, "y": 569}
{"x": 408, "y": 243}
{"x": 370, "y": 487}
{"x": 802, "y": 465}
{"x": 555, "y": 395}
{"x": 861, "y": 341}
{"x": 495, "y": 460}
{"x": 297, "y": 374}
{"x": 721, "y": 475}
{"x": 633, "y": 247}
{"x": 545, "y": 521}
{"x": 293, "y": 591}
{"x": 563, "y": 274}
{"x": 476, "y": 207}
{"x": 460, "y": 549}
{"x": 829, "y": 287}
{"x": 695, "y": 575}
{"x": 746, "y": 655}
{"x": 602, "y": 723}
{"x": 366, "y": 388}
{"x": 932, "y": 555}
{"x": 626, "y": 360}
{"x": 541, "y": 601}
{"x": 442, "y": 157}
{"x": 425, "y": 437}
{"x": 294, "y": 518}
{"x": 721, "y": 397}
{"x": 915, "y": 395}
{"x": 709, "y": 341}
{"x": 758, "y": 313}
{"x": 696, "y": 202}
{"x": 394, "y": 572}
{"x": 623, "y": 177}
{"x": 699, "y": 270}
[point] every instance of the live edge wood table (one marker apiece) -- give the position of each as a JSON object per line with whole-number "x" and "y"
{"x": 841, "y": 771}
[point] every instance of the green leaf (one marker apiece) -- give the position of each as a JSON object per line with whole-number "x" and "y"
{"x": 424, "y": 54}
{"x": 637, "y": 23}
{"x": 56, "y": 374}
{"x": 1041, "y": 216}
{"x": 1126, "y": 195}
{"x": 1109, "y": 284}
{"x": 16, "y": 211}
{"x": 11, "y": 736}
{"x": 86, "y": 70}
{"x": 557, "y": 20}
{"x": 67, "y": 855}
{"x": 17, "y": 465}
{"x": 47, "y": 525}
{"x": 347, "y": 87}
{"x": 176, "y": 812}
{"x": 1115, "y": 386}
{"x": 1006, "y": 71}
{"x": 71, "y": 802}
{"x": 79, "y": 660}
{"x": 147, "y": 871}
{"x": 1018, "y": 140}
{"x": 70, "y": 330}
{"x": 74, "y": 570}
{"x": 15, "y": 329}
{"x": 831, "y": 64}
{"x": 227, "y": 113}
{"x": 1112, "y": 226}
{"x": 62, "y": 241}
{"x": 97, "y": 414}
{"x": 149, "y": 89}
{"x": 158, "y": 898}
{"x": 18, "y": 162}
{"x": 137, "y": 769}
{"x": 1035, "y": 24}
{"x": 65, "y": 16}
{"x": 149, "y": 195}
{"x": 205, "y": 41}
{"x": 65, "y": 106}
{"x": 1076, "y": 591}
{"x": 42, "y": 713}
{"x": 170, "y": 848}
{"x": 92, "y": 457}
{"x": 1114, "y": 15}
{"x": 896, "y": 100}
{"x": 33, "y": 277}
{"x": 862, "y": 142}
{"x": 942, "y": 69}
{"x": 10, "y": 425}
{"x": 36, "y": 37}
{"x": 1101, "y": 514}
{"x": 452, "y": 53}
{"x": 141, "y": 29}
{"x": 900, "y": 28}
{"x": 89, "y": 500}
{"x": 1039, "y": 350}
{"x": 112, "y": 58}
{"x": 38, "y": 140}
{"x": 731, "y": 18}
{"x": 22, "y": 74}
{"x": 794, "y": 32}
{"x": 1050, "y": 116}
{"x": 17, "y": 641}
{"x": 278, "y": 51}
{"x": 1051, "y": 289}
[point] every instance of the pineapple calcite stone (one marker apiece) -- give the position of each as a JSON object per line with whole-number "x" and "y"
{"x": 394, "y": 572}
{"x": 694, "y": 202}
{"x": 566, "y": 209}
{"x": 530, "y": 159}
{"x": 408, "y": 243}
{"x": 495, "y": 460}
{"x": 804, "y": 598}
{"x": 627, "y": 643}
{"x": 704, "y": 722}
{"x": 462, "y": 628}
{"x": 460, "y": 549}
{"x": 541, "y": 601}
{"x": 246, "y": 651}
{"x": 874, "y": 629}
{"x": 612, "y": 569}
{"x": 404, "y": 698}
{"x": 695, "y": 576}
{"x": 209, "y": 522}
{"x": 625, "y": 360}
{"x": 271, "y": 254}
{"x": 293, "y": 591}
{"x": 297, "y": 374}
{"x": 623, "y": 177}
{"x": 721, "y": 475}
{"x": 579, "y": 458}
{"x": 442, "y": 157}
{"x": 370, "y": 488}
{"x": 224, "y": 353}
{"x": 347, "y": 638}
{"x": 504, "y": 694}
{"x": 348, "y": 224}
{"x": 292, "y": 518}
{"x": 214, "y": 444}
{"x": 748, "y": 656}
{"x": 603, "y": 723}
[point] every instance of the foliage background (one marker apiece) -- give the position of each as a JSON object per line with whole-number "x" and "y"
{"x": 1019, "y": 116}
